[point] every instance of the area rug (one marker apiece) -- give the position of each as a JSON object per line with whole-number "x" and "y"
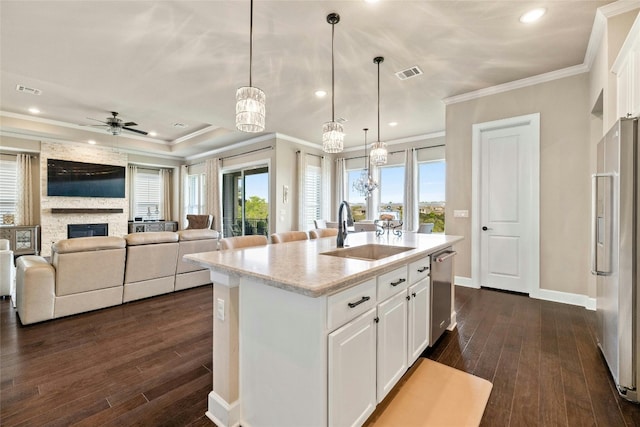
{"x": 435, "y": 395}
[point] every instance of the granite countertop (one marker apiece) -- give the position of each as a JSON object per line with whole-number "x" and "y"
{"x": 300, "y": 266}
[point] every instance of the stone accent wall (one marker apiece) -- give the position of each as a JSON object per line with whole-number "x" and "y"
{"x": 54, "y": 226}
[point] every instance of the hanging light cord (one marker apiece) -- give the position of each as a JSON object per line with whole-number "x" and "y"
{"x": 251, "y": 44}
{"x": 365, "y": 150}
{"x": 333, "y": 102}
{"x": 378, "y": 101}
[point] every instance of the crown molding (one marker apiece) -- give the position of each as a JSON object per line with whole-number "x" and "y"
{"x": 194, "y": 134}
{"x": 618, "y": 7}
{"x": 518, "y": 84}
{"x": 234, "y": 146}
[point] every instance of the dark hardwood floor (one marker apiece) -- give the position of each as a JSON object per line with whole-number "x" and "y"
{"x": 148, "y": 363}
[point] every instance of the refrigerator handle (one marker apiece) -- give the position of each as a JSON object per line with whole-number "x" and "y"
{"x": 596, "y": 230}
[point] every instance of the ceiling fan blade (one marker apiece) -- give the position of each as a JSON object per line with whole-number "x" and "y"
{"x": 101, "y": 121}
{"x": 130, "y": 124}
{"x": 141, "y": 132}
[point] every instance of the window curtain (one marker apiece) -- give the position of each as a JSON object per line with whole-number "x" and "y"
{"x": 212, "y": 171}
{"x": 133, "y": 172}
{"x": 301, "y": 166}
{"x": 184, "y": 193}
{"x": 166, "y": 185}
{"x": 326, "y": 185}
{"x": 341, "y": 182}
{"x": 24, "y": 202}
{"x": 411, "y": 217}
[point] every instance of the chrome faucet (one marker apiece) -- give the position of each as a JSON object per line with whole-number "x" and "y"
{"x": 342, "y": 225}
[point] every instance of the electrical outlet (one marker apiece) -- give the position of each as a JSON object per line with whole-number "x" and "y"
{"x": 220, "y": 309}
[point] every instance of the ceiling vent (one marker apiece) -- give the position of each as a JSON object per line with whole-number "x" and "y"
{"x": 25, "y": 89}
{"x": 408, "y": 73}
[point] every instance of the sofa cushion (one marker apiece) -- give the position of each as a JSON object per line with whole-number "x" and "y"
{"x": 151, "y": 261}
{"x": 151, "y": 237}
{"x": 200, "y": 234}
{"x": 81, "y": 271}
{"x": 83, "y": 244}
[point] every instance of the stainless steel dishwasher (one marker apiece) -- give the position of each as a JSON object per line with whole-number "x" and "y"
{"x": 441, "y": 282}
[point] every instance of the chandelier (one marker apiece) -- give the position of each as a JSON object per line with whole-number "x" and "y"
{"x": 365, "y": 184}
{"x": 250, "y": 101}
{"x": 378, "y": 148}
{"x": 332, "y": 132}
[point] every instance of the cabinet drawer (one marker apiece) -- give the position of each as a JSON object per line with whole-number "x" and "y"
{"x": 392, "y": 282}
{"x": 348, "y": 304}
{"x": 420, "y": 269}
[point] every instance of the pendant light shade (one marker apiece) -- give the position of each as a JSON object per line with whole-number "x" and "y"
{"x": 365, "y": 184}
{"x": 250, "y": 101}
{"x": 332, "y": 132}
{"x": 378, "y": 148}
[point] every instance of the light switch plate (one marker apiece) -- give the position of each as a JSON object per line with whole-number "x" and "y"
{"x": 220, "y": 309}
{"x": 461, "y": 213}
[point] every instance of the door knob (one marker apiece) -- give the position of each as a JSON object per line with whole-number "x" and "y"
{"x": 485, "y": 228}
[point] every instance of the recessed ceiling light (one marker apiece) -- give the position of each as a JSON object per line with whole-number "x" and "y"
{"x": 393, "y": 124}
{"x": 153, "y": 133}
{"x": 321, "y": 93}
{"x": 92, "y": 142}
{"x": 533, "y": 15}
{"x": 34, "y": 110}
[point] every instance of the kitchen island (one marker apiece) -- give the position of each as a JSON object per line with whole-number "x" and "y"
{"x": 307, "y": 338}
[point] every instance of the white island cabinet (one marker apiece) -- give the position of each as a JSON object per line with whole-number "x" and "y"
{"x": 302, "y": 338}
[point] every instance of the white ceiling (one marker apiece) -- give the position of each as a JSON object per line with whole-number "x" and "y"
{"x": 163, "y": 62}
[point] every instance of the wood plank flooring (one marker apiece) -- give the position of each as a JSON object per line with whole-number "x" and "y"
{"x": 148, "y": 363}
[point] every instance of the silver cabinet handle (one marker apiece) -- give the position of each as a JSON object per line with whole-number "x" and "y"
{"x": 594, "y": 218}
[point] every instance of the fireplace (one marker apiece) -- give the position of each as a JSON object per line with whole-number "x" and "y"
{"x": 87, "y": 230}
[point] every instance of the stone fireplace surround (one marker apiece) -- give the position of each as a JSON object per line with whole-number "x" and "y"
{"x": 57, "y": 212}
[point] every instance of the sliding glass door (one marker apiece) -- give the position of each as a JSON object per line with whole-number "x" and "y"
{"x": 245, "y": 202}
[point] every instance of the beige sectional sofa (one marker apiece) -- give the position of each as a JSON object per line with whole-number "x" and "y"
{"x": 90, "y": 273}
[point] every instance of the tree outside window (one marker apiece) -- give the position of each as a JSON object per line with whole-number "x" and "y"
{"x": 431, "y": 193}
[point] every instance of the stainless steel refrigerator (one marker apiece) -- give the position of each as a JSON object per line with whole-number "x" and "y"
{"x": 615, "y": 253}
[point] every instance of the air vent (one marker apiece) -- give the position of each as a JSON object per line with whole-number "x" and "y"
{"x": 341, "y": 120}
{"x": 25, "y": 89}
{"x": 408, "y": 73}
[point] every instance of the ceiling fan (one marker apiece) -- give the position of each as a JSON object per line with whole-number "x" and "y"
{"x": 115, "y": 125}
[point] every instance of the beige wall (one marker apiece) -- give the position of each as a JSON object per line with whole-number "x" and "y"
{"x": 564, "y": 174}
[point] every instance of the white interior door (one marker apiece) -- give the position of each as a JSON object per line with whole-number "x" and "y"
{"x": 506, "y": 156}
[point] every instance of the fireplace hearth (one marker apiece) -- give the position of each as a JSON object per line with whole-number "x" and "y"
{"x": 87, "y": 230}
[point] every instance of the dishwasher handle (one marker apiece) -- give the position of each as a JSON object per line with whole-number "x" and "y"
{"x": 442, "y": 257}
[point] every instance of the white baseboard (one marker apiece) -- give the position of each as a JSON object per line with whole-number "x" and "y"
{"x": 544, "y": 294}
{"x": 464, "y": 281}
{"x": 222, "y": 413}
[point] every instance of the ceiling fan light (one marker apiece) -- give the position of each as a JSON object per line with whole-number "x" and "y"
{"x": 250, "y": 109}
{"x": 332, "y": 137}
{"x": 378, "y": 153}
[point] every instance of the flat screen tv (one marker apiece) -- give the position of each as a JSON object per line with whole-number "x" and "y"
{"x": 76, "y": 179}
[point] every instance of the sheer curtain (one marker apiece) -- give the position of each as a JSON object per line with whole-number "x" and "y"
{"x": 133, "y": 172}
{"x": 166, "y": 185}
{"x": 301, "y": 164}
{"x": 341, "y": 182}
{"x": 325, "y": 212}
{"x": 24, "y": 202}
{"x": 411, "y": 217}
{"x": 212, "y": 171}
{"x": 184, "y": 194}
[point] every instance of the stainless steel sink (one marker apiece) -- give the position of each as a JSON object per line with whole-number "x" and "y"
{"x": 370, "y": 252}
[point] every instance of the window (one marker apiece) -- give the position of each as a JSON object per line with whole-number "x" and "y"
{"x": 245, "y": 202}
{"x": 196, "y": 194}
{"x": 392, "y": 191}
{"x": 357, "y": 202}
{"x": 8, "y": 185}
{"x": 147, "y": 194}
{"x": 431, "y": 195}
{"x": 312, "y": 195}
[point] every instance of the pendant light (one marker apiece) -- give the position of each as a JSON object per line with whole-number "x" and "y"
{"x": 365, "y": 184}
{"x": 250, "y": 101}
{"x": 379, "y": 148}
{"x": 332, "y": 132}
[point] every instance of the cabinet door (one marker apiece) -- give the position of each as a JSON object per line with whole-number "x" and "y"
{"x": 352, "y": 371}
{"x": 418, "y": 319}
{"x": 392, "y": 343}
{"x": 624, "y": 90}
